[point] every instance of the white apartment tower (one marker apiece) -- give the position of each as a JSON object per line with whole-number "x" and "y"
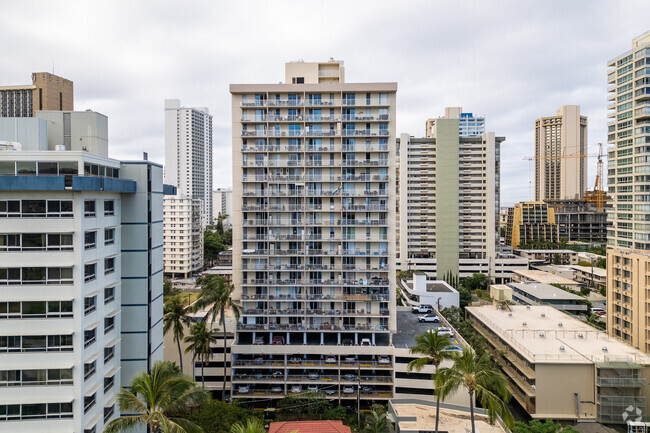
{"x": 560, "y": 155}
{"x": 81, "y": 271}
{"x": 449, "y": 197}
{"x": 188, "y": 153}
{"x": 313, "y": 233}
{"x": 183, "y": 235}
{"x": 222, "y": 202}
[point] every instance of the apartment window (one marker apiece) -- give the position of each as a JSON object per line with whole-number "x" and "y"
{"x": 90, "y": 240}
{"x": 109, "y": 353}
{"x": 41, "y": 377}
{"x": 91, "y": 430}
{"x": 89, "y": 208}
{"x": 90, "y": 304}
{"x": 109, "y": 324}
{"x": 36, "y": 343}
{"x": 33, "y": 309}
{"x": 109, "y": 207}
{"x": 90, "y": 272}
{"x": 90, "y": 336}
{"x": 109, "y": 294}
{"x": 109, "y": 236}
{"x": 89, "y": 402}
{"x": 11, "y": 412}
{"x": 108, "y": 383}
{"x": 109, "y": 265}
{"x": 108, "y": 413}
{"x": 89, "y": 369}
{"x": 35, "y": 276}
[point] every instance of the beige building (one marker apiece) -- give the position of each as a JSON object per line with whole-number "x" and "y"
{"x": 561, "y": 368}
{"x": 182, "y": 236}
{"x": 560, "y": 171}
{"x": 47, "y": 92}
{"x": 449, "y": 195}
{"x": 531, "y": 222}
{"x": 628, "y": 180}
{"x": 313, "y": 233}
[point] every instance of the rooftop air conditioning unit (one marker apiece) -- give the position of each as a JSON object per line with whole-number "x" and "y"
{"x": 524, "y": 323}
{"x": 604, "y": 348}
{"x": 543, "y": 314}
{"x": 562, "y": 349}
{"x": 542, "y": 335}
{"x": 559, "y": 324}
{"x": 510, "y": 314}
{"x": 580, "y": 335}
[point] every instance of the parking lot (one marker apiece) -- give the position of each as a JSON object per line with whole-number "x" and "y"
{"x": 408, "y": 327}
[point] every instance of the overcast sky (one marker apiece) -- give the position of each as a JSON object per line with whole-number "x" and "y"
{"x": 512, "y": 61}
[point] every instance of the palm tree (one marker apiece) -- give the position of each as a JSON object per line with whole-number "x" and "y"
{"x": 175, "y": 318}
{"x": 432, "y": 346}
{"x": 377, "y": 423}
{"x": 153, "y": 396}
{"x": 480, "y": 377}
{"x": 199, "y": 343}
{"x": 253, "y": 425}
{"x": 216, "y": 297}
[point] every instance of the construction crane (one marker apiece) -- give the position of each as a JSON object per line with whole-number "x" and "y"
{"x": 598, "y": 194}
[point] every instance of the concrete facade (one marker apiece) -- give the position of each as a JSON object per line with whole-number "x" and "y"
{"x": 182, "y": 236}
{"x": 47, "y": 92}
{"x": 560, "y": 171}
{"x": 530, "y": 222}
{"x": 222, "y": 205}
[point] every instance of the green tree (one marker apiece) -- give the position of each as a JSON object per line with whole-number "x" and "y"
{"x": 217, "y": 416}
{"x": 174, "y": 319}
{"x": 432, "y": 347}
{"x": 536, "y": 426}
{"x": 338, "y": 412}
{"x": 168, "y": 288}
{"x": 216, "y": 298}
{"x": 199, "y": 343}
{"x": 290, "y": 407}
{"x": 465, "y": 297}
{"x": 476, "y": 281}
{"x": 601, "y": 263}
{"x": 153, "y": 397}
{"x": 252, "y": 425}
{"x": 376, "y": 422}
{"x": 478, "y": 375}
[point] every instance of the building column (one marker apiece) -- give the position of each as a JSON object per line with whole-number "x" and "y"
{"x": 356, "y": 338}
{"x": 322, "y": 338}
{"x": 373, "y": 338}
{"x": 287, "y": 342}
{"x": 338, "y": 338}
{"x": 304, "y": 338}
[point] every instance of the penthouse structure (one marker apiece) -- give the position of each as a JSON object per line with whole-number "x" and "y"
{"x": 313, "y": 232}
{"x": 47, "y": 92}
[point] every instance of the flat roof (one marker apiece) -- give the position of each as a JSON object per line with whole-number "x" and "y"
{"x": 544, "y": 277}
{"x": 545, "y": 292}
{"x": 543, "y": 334}
{"x": 547, "y": 251}
{"x": 587, "y": 269}
{"x": 451, "y": 420}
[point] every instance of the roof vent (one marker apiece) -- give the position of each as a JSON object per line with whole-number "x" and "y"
{"x": 543, "y": 314}
{"x": 542, "y": 335}
{"x": 604, "y": 348}
{"x": 527, "y": 307}
{"x": 562, "y": 349}
{"x": 524, "y": 324}
{"x": 580, "y": 335}
{"x": 560, "y": 324}
{"x": 510, "y": 314}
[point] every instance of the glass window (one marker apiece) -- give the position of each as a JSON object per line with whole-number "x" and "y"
{"x": 35, "y": 207}
{"x": 89, "y": 208}
{"x": 109, "y": 236}
{"x": 26, "y": 167}
{"x": 68, "y": 167}
{"x": 8, "y": 168}
{"x": 109, "y": 207}
{"x": 47, "y": 168}
{"x": 33, "y": 240}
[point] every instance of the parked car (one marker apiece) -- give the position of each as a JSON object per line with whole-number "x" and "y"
{"x": 296, "y": 389}
{"x": 422, "y": 308}
{"x": 368, "y": 389}
{"x": 349, "y": 377}
{"x": 329, "y": 391}
{"x": 295, "y": 360}
{"x": 313, "y": 376}
{"x": 383, "y": 360}
{"x": 258, "y": 341}
{"x": 330, "y": 360}
{"x": 244, "y": 389}
{"x": 312, "y": 388}
{"x": 347, "y": 342}
{"x": 453, "y": 349}
{"x": 276, "y": 389}
{"x": 258, "y": 360}
{"x": 366, "y": 342}
{"x": 443, "y": 331}
{"x": 277, "y": 374}
{"x": 597, "y": 309}
{"x": 432, "y": 318}
{"x": 258, "y": 376}
{"x": 278, "y": 340}
{"x": 348, "y": 390}
{"x": 350, "y": 359}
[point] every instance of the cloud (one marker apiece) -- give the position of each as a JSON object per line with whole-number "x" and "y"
{"x": 511, "y": 61}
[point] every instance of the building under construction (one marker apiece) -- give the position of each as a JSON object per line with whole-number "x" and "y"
{"x": 580, "y": 220}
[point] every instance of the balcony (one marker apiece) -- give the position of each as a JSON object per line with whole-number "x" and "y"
{"x": 624, "y": 382}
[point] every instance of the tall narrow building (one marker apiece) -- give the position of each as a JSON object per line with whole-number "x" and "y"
{"x": 314, "y": 233}
{"x": 449, "y": 185}
{"x": 560, "y": 170}
{"x": 188, "y": 153}
{"x": 47, "y": 92}
{"x": 628, "y": 179}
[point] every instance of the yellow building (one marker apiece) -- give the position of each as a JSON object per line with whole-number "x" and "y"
{"x": 47, "y": 92}
{"x": 529, "y": 222}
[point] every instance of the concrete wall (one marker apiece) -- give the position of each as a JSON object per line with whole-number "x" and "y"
{"x": 447, "y": 189}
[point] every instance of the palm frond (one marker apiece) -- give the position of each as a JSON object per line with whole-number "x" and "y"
{"x": 123, "y": 424}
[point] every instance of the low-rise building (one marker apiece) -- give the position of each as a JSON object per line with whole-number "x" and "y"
{"x": 591, "y": 276}
{"x": 221, "y": 271}
{"x": 328, "y": 426}
{"x": 561, "y": 257}
{"x": 499, "y": 270}
{"x": 417, "y": 416}
{"x": 531, "y": 275}
{"x": 534, "y": 293}
{"x": 422, "y": 290}
{"x": 561, "y": 368}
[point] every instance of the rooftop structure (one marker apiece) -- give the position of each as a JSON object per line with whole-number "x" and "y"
{"x": 421, "y": 290}
{"x": 549, "y": 256}
{"x": 534, "y": 293}
{"x": 543, "y": 277}
{"x": 561, "y": 368}
{"x": 47, "y": 92}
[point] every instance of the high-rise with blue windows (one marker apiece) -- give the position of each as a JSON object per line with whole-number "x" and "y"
{"x": 314, "y": 234}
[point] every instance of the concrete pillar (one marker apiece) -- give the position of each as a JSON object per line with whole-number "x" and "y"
{"x": 288, "y": 339}
{"x": 322, "y": 338}
{"x": 356, "y": 338}
{"x": 338, "y": 338}
{"x": 373, "y": 338}
{"x": 304, "y": 338}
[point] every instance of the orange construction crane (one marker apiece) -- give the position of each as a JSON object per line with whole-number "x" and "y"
{"x": 598, "y": 194}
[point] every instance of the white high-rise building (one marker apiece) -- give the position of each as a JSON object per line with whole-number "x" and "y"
{"x": 188, "y": 153}
{"x": 81, "y": 278}
{"x": 313, "y": 233}
{"x": 183, "y": 235}
{"x": 222, "y": 202}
